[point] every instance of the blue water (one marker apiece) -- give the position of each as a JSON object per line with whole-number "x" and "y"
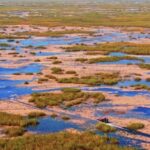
{"x": 138, "y": 113}
{"x": 144, "y": 110}
{"x": 122, "y": 62}
{"x": 66, "y": 40}
{"x": 118, "y": 54}
{"x": 31, "y": 68}
{"x": 128, "y": 83}
{"x": 118, "y": 91}
{"x": 50, "y": 125}
{"x": 10, "y": 89}
{"x": 48, "y": 53}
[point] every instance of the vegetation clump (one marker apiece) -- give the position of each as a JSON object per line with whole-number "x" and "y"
{"x": 68, "y": 97}
{"x": 136, "y": 126}
{"x": 144, "y": 66}
{"x": 36, "y": 114}
{"x": 98, "y": 79}
{"x": 57, "y": 70}
{"x": 105, "y": 128}
{"x": 141, "y": 87}
{"x": 15, "y": 120}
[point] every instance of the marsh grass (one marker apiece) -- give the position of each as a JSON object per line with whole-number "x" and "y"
{"x": 15, "y": 120}
{"x": 54, "y": 33}
{"x": 144, "y": 66}
{"x": 62, "y": 141}
{"x": 68, "y": 97}
{"x": 36, "y": 114}
{"x": 14, "y": 131}
{"x": 105, "y": 128}
{"x": 106, "y": 48}
{"x": 57, "y": 70}
{"x": 136, "y": 126}
{"x": 98, "y": 79}
{"x": 141, "y": 87}
{"x": 113, "y": 59}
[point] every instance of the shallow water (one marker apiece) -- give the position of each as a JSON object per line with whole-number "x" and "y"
{"x": 122, "y": 62}
{"x": 128, "y": 83}
{"x": 31, "y": 68}
{"x": 10, "y": 89}
{"x": 118, "y": 91}
{"x": 50, "y": 125}
{"x": 48, "y": 53}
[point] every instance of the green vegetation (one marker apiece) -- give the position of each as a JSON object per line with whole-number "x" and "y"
{"x": 71, "y": 72}
{"x": 72, "y": 90}
{"x": 4, "y": 36}
{"x": 36, "y": 114}
{"x": 54, "y": 115}
{"x": 144, "y": 66}
{"x": 68, "y": 97}
{"x": 99, "y": 13}
{"x": 135, "y": 126}
{"x": 98, "y": 79}
{"x": 137, "y": 79}
{"x": 52, "y": 57}
{"x": 105, "y": 128}
{"x": 15, "y": 120}
{"x": 148, "y": 79}
{"x": 57, "y": 62}
{"x": 14, "y": 125}
{"x": 56, "y": 70}
{"x": 54, "y": 33}
{"x": 41, "y": 80}
{"x": 4, "y": 45}
{"x": 14, "y": 131}
{"x": 106, "y": 48}
{"x": 112, "y": 59}
{"x": 62, "y": 141}
{"x": 141, "y": 87}
{"x": 66, "y": 118}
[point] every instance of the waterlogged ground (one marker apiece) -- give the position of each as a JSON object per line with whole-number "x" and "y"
{"x": 24, "y": 61}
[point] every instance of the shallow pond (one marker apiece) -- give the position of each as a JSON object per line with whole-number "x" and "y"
{"x": 31, "y": 68}
{"x": 50, "y": 125}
